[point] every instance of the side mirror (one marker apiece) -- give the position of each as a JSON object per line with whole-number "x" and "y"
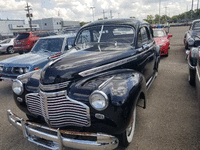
{"x": 169, "y": 35}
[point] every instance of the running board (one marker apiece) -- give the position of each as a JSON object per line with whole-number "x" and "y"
{"x": 150, "y": 81}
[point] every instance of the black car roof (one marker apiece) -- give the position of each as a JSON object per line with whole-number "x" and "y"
{"x": 128, "y": 21}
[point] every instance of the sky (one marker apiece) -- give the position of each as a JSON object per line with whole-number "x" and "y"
{"x": 82, "y": 10}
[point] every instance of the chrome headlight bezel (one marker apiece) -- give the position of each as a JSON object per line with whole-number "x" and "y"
{"x": 97, "y": 104}
{"x": 190, "y": 41}
{"x": 21, "y": 70}
{"x": 17, "y": 87}
{"x": 26, "y": 69}
{"x": 1, "y": 68}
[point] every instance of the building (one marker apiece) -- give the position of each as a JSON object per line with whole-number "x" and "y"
{"x": 10, "y": 28}
{"x": 49, "y": 24}
{"x": 56, "y": 25}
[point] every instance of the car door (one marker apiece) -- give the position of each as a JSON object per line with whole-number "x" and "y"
{"x": 146, "y": 48}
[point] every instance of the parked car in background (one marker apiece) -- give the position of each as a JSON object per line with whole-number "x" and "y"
{"x": 26, "y": 40}
{"x": 162, "y": 39}
{"x": 7, "y": 46}
{"x": 192, "y": 36}
{"x": 197, "y": 80}
{"x": 88, "y": 99}
{"x": 44, "y": 51}
{"x": 192, "y": 58}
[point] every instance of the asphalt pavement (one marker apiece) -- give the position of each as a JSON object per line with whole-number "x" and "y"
{"x": 171, "y": 120}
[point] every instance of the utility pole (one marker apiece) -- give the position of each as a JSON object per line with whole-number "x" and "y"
{"x": 111, "y": 14}
{"x": 197, "y": 5}
{"x": 159, "y": 10}
{"x": 192, "y": 9}
{"x": 92, "y": 11}
{"x": 165, "y": 13}
{"x": 29, "y": 15}
{"x": 104, "y": 14}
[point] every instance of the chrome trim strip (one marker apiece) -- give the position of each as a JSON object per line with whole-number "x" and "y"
{"x": 150, "y": 81}
{"x": 106, "y": 67}
{"x": 34, "y": 134}
{"x": 111, "y": 65}
{"x": 51, "y": 87}
{"x": 197, "y": 72}
{"x": 105, "y": 83}
{"x": 190, "y": 66}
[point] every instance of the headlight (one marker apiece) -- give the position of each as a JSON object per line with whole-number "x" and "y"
{"x": 1, "y": 68}
{"x": 190, "y": 41}
{"x": 98, "y": 100}
{"x": 17, "y": 87}
{"x": 26, "y": 70}
{"x": 21, "y": 71}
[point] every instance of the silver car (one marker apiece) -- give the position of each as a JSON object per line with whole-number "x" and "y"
{"x": 7, "y": 46}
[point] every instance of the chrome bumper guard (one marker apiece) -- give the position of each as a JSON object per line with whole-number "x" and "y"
{"x": 56, "y": 141}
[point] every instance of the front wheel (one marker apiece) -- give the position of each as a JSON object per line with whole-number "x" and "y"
{"x": 10, "y": 50}
{"x": 126, "y": 137}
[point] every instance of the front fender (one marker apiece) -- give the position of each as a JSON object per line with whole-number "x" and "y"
{"x": 123, "y": 88}
{"x": 193, "y": 56}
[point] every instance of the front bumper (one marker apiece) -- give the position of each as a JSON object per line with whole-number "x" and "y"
{"x": 54, "y": 139}
{"x": 8, "y": 78}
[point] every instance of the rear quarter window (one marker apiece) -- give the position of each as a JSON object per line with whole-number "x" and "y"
{"x": 22, "y": 36}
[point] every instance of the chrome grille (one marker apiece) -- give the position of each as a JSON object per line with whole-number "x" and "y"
{"x": 58, "y": 109}
{"x": 51, "y": 87}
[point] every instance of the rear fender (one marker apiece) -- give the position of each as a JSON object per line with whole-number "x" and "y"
{"x": 193, "y": 56}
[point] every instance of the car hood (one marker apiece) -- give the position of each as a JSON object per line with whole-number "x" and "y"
{"x": 28, "y": 59}
{"x": 161, "y": 40}
{"x": 70, "y": 67}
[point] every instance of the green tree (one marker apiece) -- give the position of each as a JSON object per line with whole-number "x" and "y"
{"x": 132, "y": 17}
{"x": 83, "y": 23}
{"x": 149, "y": 19}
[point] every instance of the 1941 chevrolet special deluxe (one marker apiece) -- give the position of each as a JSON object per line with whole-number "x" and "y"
{"x": 88, "y": 99}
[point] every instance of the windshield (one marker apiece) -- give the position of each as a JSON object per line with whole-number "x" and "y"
{"x": 196, "y": 25}
{"x": 22, "y": 36}
{"x": 5, "y": 41}
{"x": 158, "y": 33}
{"x": 49, "y": 45}
{"x": 114, "y": 34}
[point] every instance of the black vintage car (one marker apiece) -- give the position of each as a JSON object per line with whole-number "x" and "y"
{"x": 192, "y": 63}
{"x": 192, "y": 36}
{"x": 88, "y": 99}
{"x": 198, "y": 77}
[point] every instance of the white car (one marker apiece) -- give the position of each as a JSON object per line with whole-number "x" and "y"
{"x": 7, "y": 46}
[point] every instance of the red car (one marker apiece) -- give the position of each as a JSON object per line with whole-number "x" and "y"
{"x": 162, "y": 39}
{"x": 26, "y": 40}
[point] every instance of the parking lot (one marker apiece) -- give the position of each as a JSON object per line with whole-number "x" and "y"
{"x": 170, "y": 121}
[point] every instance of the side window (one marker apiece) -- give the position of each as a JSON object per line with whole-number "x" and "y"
{"x": 143, "y": 36}
{"x": 69, "y": 43}
{"x": 95, "y": 36}
{"x": 84, "y": 37}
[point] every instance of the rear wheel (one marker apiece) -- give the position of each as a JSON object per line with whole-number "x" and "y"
{"x": 127, "y": 136}
{"x": 191, "y": 77}
{"x": 10, "y": 50}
